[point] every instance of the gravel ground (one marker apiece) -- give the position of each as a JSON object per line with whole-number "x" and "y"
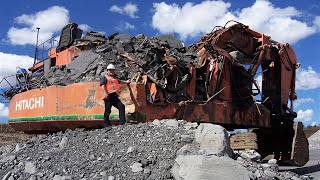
{"x": 131, "y": 151}
{"x": 141, "y": 151}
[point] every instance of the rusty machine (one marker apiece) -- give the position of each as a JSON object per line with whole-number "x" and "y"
{"x": 219, "y": 88}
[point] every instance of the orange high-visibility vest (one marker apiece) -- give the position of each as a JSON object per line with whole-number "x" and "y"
{"x": 112, "y": 85}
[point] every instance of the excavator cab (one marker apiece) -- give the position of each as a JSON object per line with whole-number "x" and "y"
{"x": 48, "y": 56}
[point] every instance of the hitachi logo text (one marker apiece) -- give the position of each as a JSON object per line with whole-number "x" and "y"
{"x": 31, "y": 103}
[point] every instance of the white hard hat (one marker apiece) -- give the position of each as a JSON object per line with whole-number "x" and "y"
{"x": 110, "y": 66}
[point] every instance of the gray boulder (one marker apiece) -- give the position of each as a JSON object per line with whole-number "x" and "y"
{"x": 250, "y": 155}
{"x": 213, "y": 140}
{"x": 156, "y": 122}
{"x": 136, "y": 167}
{"x": 63, "y": 143}
{"x": 198, "y": 167}
{"x": 171, "y": 123}
{"x": 30, "y": 168}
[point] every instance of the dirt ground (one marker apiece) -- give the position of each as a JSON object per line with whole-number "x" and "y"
{"x": 10, "y": 136}
{"x": 309, "y": 131}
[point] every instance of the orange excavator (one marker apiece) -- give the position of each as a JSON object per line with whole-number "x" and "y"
{"x": 219, "y": 88}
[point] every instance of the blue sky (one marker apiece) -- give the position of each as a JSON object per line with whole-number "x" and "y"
{"x": 296, "y": 22}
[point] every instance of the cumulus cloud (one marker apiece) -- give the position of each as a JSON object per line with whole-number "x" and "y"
{"x": 10, "y": 62}
{"x": 122, "y": 26}
{"x": 300, "y": 101}
{"x": 307, "y": 79}
{"x": 313, "y": 124}
{"x": 192, "y": 20}
{"x": 316, "y": 22}
{"x": 49, "y": 21}
{"x": 129, "y": 9}
{"x": 305, "y": 116}
{"x": 4, "y": 111}
{"x": 85, "y": 27}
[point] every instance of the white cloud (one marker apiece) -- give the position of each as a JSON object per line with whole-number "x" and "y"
{"x": 305, "y": 116}
{"x": 116, "y": 9}
{"x": 313, "y": 124}
{"x": 307, "y": 79}
{"x": 85, "y": 27}
{"x": 50, "y": 21}
{"x": 192, "y": 20}
{"x": 8, "y": 64}
{"x": 4, "y": 111}
{"x": 128, "y": 26}
{"x": 298, "y": 102}
{"x": 129, "y": 9}
{"x": 122, "y": 26}
{"x": 316, "y": 22}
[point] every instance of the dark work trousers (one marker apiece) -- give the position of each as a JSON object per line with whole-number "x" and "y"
{"x": 113, "y": 100}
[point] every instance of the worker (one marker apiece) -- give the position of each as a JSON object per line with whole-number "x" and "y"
{"x": 110, "y": 87}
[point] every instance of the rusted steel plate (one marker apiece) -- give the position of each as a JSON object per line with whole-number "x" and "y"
{"x": 56, "y": 125}
{"x": 212, "y": 112}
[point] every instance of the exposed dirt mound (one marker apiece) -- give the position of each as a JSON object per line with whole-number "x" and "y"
{"x": 10, "y": 136}
{"x": 309, "y": 131}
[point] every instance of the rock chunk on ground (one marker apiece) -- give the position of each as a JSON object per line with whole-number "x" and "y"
{"x": 194, "y": 167}
{"x": 250, "y": 155}
{"x": 213, "y": 140}
{"x": 30, "y": 168}
{"x": 136, "y": 167}
{"x": 98, "y": 153}
{"x": 171, "y": 123}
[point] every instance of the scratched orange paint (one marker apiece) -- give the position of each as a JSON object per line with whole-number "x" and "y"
{"x": 79, "y": 98}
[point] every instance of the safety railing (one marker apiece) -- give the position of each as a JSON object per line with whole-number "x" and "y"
{"x": 41, "y": 51}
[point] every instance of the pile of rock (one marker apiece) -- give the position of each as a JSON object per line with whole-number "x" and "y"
{"x": 142, "y": 151}
{"x": 266, "y": 170}
{"x": 164, "y": 59}
{"x": 163, "y": 149}
{"x": 209, "y": 158}
{"x": 152, "y": 56}
{"x": 314, "y": 140}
